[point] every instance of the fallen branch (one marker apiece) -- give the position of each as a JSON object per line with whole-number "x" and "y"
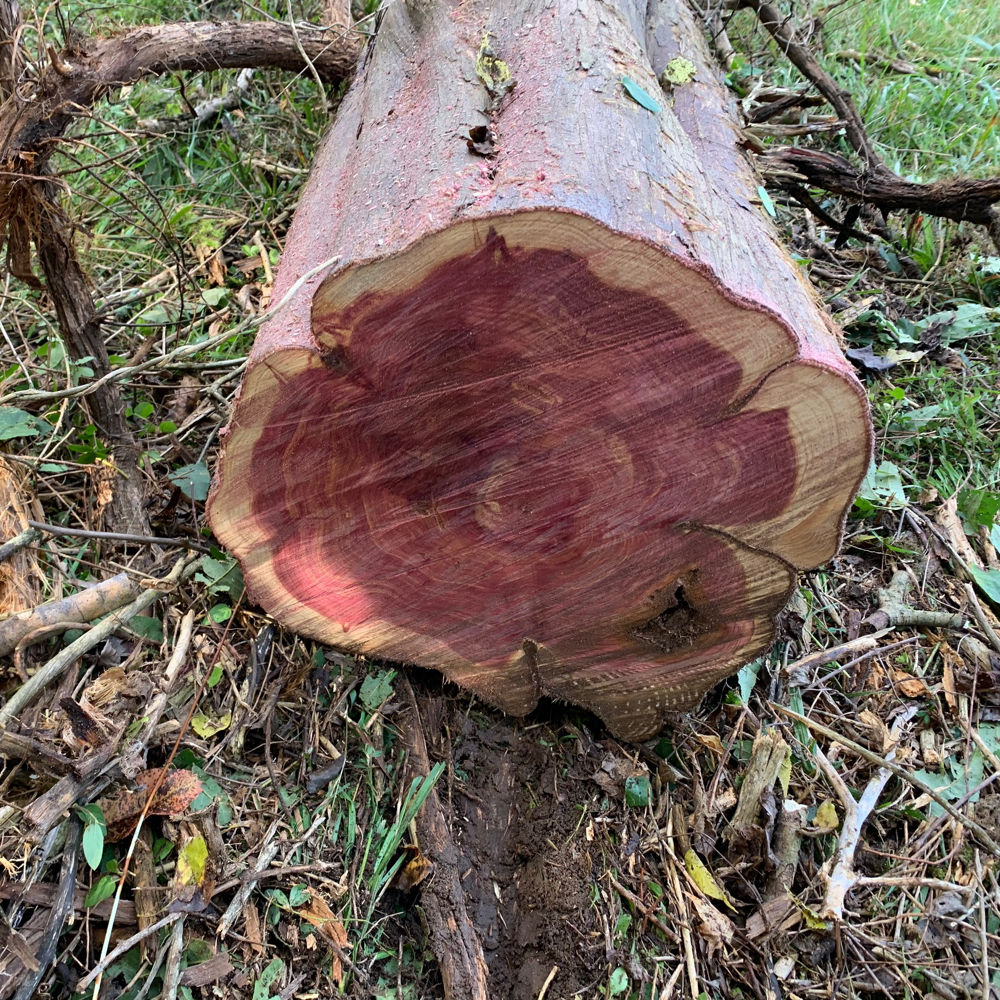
{"x": 27, "y": 537}
{"x": 88, "y": 69}
{"x": 62, "y": 907}
{"x": 70, "y": 612}
{"x": 766, "y": 758}
{"x": 158, "y": 704}
{"x": 842, "y": 879}
{"x": 961, "y": 199}
{"x": 54, "y": 668}
{"x": 980, "y": 616}
{"x": 977, "y": 828}
{"x": 127, "y": 945}
{"x": 36, "y": 114}
{"x": 119, "y": 536}
{"x": 894, "y": 612}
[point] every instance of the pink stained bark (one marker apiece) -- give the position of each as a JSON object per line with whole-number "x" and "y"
{"x": 562, "y": 419}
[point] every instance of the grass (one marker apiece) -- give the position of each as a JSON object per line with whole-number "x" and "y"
{"x": 154, "y": 209}
{"x": 939, "y": 121}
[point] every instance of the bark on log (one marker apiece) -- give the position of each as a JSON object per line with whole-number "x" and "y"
{"x": 563, "y": 419}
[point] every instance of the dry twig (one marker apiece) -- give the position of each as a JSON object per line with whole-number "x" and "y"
{"x": 984, "y": 835}
{"x": 842, "y": 878}
{"x": 68, "y": 656}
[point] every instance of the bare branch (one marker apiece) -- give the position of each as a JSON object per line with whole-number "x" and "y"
{"x": 87, "y": 70}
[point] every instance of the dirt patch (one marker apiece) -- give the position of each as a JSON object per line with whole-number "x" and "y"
{"x": 527, "y": 867}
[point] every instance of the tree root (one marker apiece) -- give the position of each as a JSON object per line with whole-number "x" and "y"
{"x": 454, "y": 939}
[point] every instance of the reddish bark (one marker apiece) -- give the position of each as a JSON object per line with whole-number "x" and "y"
{"x": 562, "y": 419}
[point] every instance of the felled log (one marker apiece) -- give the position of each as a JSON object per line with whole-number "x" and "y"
{"x": 561, "y": 418}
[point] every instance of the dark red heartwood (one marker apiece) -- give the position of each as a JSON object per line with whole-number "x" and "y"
{"x": 543, "y": 403}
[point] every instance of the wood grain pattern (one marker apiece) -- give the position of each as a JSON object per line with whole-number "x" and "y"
{"x": 563, "y": 420}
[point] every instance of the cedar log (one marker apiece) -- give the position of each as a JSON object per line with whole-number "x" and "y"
{"x": 563, "y": 418}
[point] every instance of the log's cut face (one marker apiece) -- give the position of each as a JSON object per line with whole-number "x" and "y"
{"x": 543, "y": 458}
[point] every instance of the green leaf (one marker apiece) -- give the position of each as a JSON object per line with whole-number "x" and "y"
{"x": 765, "y": 200}
{"x": 988, "y": 581}
{"x": 148, "y": 628}
{"x": 637, "y": 791}
{"x": 704, "y": 879}
{"x": 213, "y": 296}
{"x": 220, "y": 613}
{"x": 207, "y": 726}
{"x": 102, "y": 889}
{"x": 883, "y": 486}
{"x": 989, "y": 733}
{"x": 192, "y": 480}
{"x": 298, "y": 895}
{"x": 192, "y": 861}
{"x": 155, "y": 315}
{"x": 376, "y": 688}
{"x": 272, "y": 972}
{"x": 221, "y": 576}
{"x": 94, "y": 831}
{"x": 16, "y": 423}
{"x": 747, "y": 678}
{"x": 957, "y": 783}
{"x": 968, "y": 319}
{"x": 618, "y": 983}
{"x": 639, "y": 95}
{"x": 978, "y": 507}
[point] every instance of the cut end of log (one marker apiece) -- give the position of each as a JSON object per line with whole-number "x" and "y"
{"x": 544, "y": 458}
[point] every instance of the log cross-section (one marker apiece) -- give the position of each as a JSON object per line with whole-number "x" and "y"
{"x": 563, "y": 418}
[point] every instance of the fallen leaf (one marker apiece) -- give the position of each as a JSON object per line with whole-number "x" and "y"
{"x": 206, "y": 726}
{"x": 908, "y": 685}
{"x": 106, "y": 687}
{"x": 774, "y": 916}
{"x": 122, "y": 810}
{"x": 712, "y": 742}
{"x": 813, "y": 920}
{"x": 715, "y": 927}
{"x": 869, "y": 360}
{"x": 639, "y": 95}
{"x": 826, "y": 819}
{"x": 216, "y": 269}
{"x": 879, "y": 730}
{"x": 416, "y": 869}
{"x": 704, "y": 879}
{"x": 948, "y": 686}
{"x": 192, "y": 861}
{"x": 318, "y": 913}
